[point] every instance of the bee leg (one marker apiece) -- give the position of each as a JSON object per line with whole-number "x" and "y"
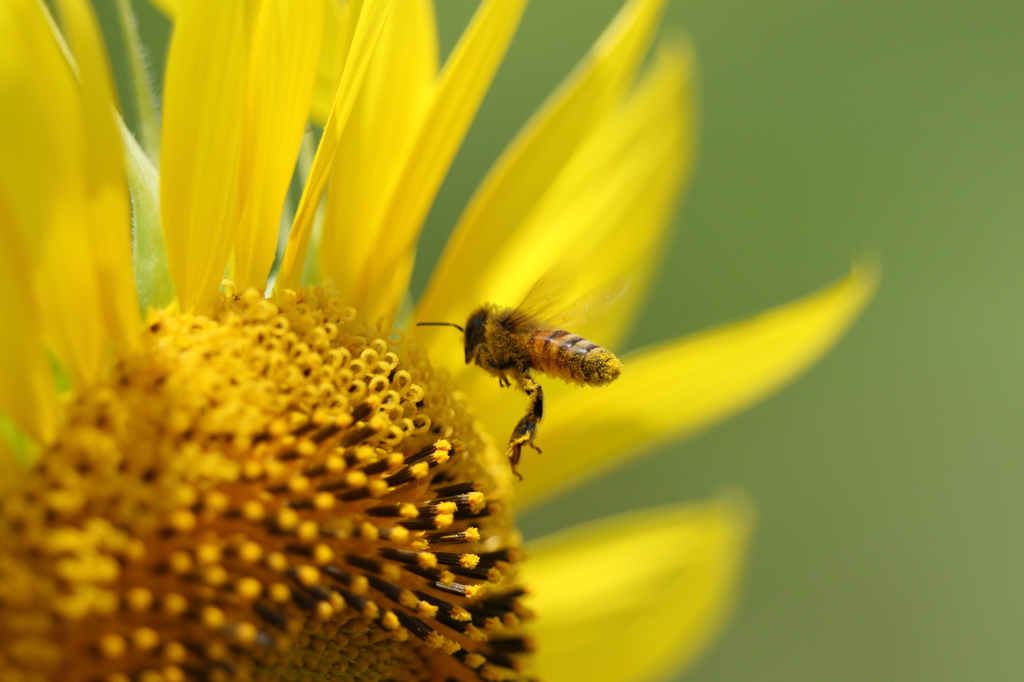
{"x": 526, "y": 429}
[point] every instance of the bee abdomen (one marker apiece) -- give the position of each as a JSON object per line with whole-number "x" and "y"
{"x": 573, "y": 358}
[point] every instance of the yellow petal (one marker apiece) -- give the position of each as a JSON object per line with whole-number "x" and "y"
{"x": 523, "y": 176}
{"x": 27, "y": 391}
{"x": 65, "y": 189}
{"x": 462, "y": 84}
{"x": 629, "y": 598}
{"x": 282, "y": 67}
{"x": 384, "y": 121}
{"x": 339, "y": 23}
{"x": 109, "y": 229}
{"x": 202, "y": 133}
{"x": 685, "y": 386}
{"x": 364, "y": 42}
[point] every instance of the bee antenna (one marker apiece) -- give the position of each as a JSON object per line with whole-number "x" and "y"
{"x": 440, "y": 324}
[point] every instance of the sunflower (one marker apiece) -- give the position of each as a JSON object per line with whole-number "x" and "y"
{"x": 205, "y": 481}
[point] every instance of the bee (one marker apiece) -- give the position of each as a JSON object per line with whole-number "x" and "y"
{"x": 510, "y": 343}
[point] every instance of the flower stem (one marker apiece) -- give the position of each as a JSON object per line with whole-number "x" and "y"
{"x": 142, "y": 88}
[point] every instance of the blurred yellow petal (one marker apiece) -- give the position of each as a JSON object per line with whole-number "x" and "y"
{"x": 285, "y": 50}
{"x": 168, "y": 7}
{"x": 522, "y": 178}
{"x": 461, "y": 87}
{"x": 62, "y": 187}
{"x": 27, "y": 391}
{"x": 384, "y": 121}
{"x": 685, "y": 386}
{"x": 364, "y": 42}
{"x": 339, "y": 22}
{"x": 109, "y": 229}
{"x": 202, "y": 133}
{"x": 629, "y": 598}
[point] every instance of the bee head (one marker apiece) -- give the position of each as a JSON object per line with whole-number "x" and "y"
{"x": 474, "y": 332}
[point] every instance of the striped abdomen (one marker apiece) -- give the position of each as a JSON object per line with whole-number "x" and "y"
{"x": 571, "y": 357}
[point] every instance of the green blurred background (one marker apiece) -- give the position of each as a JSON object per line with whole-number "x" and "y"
{"x": 889, "y": 479}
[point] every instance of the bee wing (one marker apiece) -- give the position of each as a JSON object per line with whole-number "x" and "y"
{"x": 593, "y": 305}
{"x": 543, "y": 298}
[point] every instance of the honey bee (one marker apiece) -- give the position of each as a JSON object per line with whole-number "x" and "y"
{"x": 509, "y": 343}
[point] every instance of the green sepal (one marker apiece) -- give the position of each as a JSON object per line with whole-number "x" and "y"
{"x": 152, "y": 273}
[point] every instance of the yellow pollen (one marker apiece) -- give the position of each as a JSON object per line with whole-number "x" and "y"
{"x": 252, "y": 469}
{"x": 173, "y": 673}
{"x": 112, "y": 646}
{"x": 145, "y": 639}
{"x": 476, "y": 501}
{"x": 276, "y": 562}
{"x": 307, "y": 575}
{"x": 207, "y": 553}
{"x": 182, "y": 520}
{"x": 280, "y": 593}
{"x": 287, "y": 519}
{"x": 174, "y": 604}
{"x": 139, "y": 599}
{"x": 252, "y": 510}
{"x": 250, "y": 552}
{"x": 298, "y": 484}
{"x": 248, "y": 587}
{"x": 323, "y": 554}
{"x": 217, "y": 502}
{"x": 308, "y": 530}
{"x": 323, "y": 501}
{"x": 356, "y": 479}
{"x": 212, "y": 617}
{"x": 174, "y": 652}
{"x": 360, "y": 585}
{"x": 180, "y": 562}
{"x": 215, "y": 576}
{"x": 390, "y": 621}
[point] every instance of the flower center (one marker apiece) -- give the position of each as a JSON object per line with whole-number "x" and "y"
{"x": 277, "y": 491}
